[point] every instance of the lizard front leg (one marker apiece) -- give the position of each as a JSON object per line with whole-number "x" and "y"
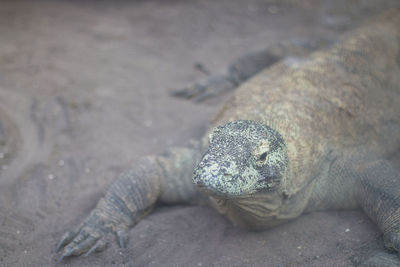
{"x": 132, "y": 196}
{"x": 378, "y": 192}
{"x": 373, "y": 185}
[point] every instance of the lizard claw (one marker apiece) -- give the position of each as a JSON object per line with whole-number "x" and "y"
{"x": 83, "y": 242}
{"x": 99, "y": 246}
{"x": 68, "y": 237}
{"x": 205, "y": 89}
{"x": 122, "y": 238}
{"x": 65, "y": 239}
{"x": 89, "y": 236}
{"x": 189, "y": 92}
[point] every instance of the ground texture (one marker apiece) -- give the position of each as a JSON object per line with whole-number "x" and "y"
{"x": 84, "y": 91}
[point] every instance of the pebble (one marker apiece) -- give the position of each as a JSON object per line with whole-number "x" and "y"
{"x": 272, "y": 9}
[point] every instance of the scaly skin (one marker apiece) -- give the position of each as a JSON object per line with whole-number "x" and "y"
{"x": 249, "y": 65}
{"x": 293, "y": 139}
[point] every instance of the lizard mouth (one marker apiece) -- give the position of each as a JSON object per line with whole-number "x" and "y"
{"x": 206, "y": 190}
{"x": 217, "y": 194}
{"x": 212, "y": 191}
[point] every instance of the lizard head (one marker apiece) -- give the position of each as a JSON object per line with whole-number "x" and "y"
{"x": 244, "y": 157}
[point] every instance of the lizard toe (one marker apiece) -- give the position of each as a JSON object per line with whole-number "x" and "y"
{"x": 81, "y": 243}
{"x": 122, "y": 238}
{"x": 189, "y": 92}
{"x": 99, "y": 246}
{"x": 68, "y": 237}
{"x": 65, "y": 239}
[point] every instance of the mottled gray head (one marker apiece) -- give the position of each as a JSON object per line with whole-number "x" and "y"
{"x": 244, "y": 157}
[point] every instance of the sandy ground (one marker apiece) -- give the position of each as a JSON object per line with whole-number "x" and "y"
{"x": 84, "y": 92}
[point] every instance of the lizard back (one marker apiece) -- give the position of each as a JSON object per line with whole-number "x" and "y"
{"x": 343, "y": 100}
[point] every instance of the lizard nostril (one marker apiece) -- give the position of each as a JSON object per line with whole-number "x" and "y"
{"x": 199, "y": 183}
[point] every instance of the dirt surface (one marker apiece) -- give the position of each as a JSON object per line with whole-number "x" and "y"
{"x": 84, "y": 92}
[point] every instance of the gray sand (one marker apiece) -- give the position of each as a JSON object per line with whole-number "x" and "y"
{"x": 84, "y": 92}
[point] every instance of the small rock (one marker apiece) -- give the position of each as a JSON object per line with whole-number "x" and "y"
{"x": 273, "y": 9}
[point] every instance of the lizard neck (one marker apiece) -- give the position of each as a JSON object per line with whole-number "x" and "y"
{"x": 256, "y": 212}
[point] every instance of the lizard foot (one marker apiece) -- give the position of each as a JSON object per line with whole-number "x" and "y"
{"x": 392, "y": 240}
{"x": 205, "y": 89}
{"x": 89, "y": 236}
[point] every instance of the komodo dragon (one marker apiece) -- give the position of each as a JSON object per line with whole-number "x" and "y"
{"x": 292, "y": 140}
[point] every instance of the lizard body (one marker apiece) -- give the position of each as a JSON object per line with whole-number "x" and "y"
{"x": 293, "y": 139}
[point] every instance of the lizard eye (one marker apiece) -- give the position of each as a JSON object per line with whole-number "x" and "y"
{"x": 260, "y": 154}
{"x": 261, "y": 159}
